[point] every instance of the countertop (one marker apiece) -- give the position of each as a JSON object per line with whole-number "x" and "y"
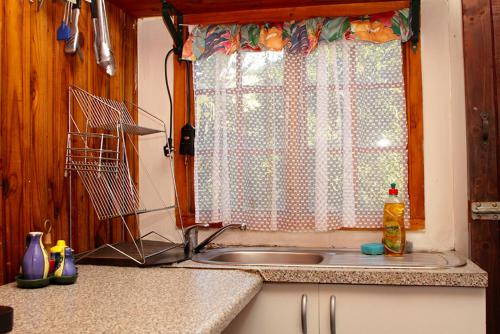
{"x": 469, "y": 275}
{"x": 188, "y": 297}
{"x": 131, "y": 300}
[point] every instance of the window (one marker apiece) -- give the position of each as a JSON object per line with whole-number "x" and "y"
{"x": 252, "y": 82}
{"x": 295, "y": 142}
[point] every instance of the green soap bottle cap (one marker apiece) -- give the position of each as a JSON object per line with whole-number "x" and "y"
{"x": 393, "y": 190}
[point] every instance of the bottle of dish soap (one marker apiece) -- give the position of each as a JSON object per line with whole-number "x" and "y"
{"x": 394, "y": 224}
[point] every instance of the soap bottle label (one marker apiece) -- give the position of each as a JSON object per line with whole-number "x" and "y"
{"x": 393, "y": 221}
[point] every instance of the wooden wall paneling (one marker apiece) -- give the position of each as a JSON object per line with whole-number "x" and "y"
{"x": 15, "y": 131}
{"x": 181, "y": 177}
{"x": 481, "y": 36}
{"x": 47, "y": 105}
{"x": 85, "y": 217}
{"x": 26, "y": 125}
{"x": 493, "y": 230}
{"x": 36, "y": 75}
{"x": 481, "y": 97}
{"x": 2, "y": 220}
{"x": 412, "y": 70}
{"x": 129, "y": 61}
{"x": 211, "y": 6}
{"x": 198, "y": 12}
{"x": 128, "y": 92}
{"x": 495, "y": 10}
{"x": 99, "y": 85}
{"x": 99, "y": 231}
{"x": 115, "y": 93}
{"x": 183, "y": 165}
{"x": 96, "y": 233}
{"x": 40, "y": 103}
{"x": 287, "y": 13}
{"x": 190, "y": 159}
{"x": 62, "y": 78}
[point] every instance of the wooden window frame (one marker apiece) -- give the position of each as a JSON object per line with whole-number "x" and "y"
{"x": 412, "y": 70}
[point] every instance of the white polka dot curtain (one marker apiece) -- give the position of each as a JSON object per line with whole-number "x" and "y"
{"x": 293, "y": 142}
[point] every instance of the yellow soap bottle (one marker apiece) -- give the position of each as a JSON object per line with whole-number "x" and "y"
{"x": 394, "y": 224}
{"x": 57, "y": 253}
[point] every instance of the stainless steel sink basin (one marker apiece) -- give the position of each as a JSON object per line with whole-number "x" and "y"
{"x": 280, "y": 256}
{"x": 268, "y": 258}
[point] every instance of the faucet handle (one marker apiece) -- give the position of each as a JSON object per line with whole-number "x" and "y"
{"x": 188, "y": 230}
{"x": 196, "y": 226}
{"x": 204, "y": 243}
{"x": 191, "y": 237}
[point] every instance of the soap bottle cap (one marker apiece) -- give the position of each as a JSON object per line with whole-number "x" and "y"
{"x": 393, "y": 191}
{"x": 59, "y": 247}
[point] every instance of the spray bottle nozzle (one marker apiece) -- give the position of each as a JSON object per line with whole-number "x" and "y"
{"x": 393, "y": 190}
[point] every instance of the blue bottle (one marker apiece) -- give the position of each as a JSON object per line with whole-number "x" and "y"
{"x": 66, "y": 265}
{"x": 35, "y": 260}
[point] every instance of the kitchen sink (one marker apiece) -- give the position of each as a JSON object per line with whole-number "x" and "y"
{"x": 269, "y": 258}
{"x": 281, "y": 256}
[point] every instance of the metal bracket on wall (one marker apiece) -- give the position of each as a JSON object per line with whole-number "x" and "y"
{"x": 175, "y": 30}
{"x": 485, "y": 210}
{"x": 415, "y": 23}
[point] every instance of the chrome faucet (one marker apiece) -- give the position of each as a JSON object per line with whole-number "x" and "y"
{"x": 191, "y": 238}
{"x": 191, "y": 245}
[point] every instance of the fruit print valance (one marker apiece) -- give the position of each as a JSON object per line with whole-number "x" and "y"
{"x": 296, "y": 36}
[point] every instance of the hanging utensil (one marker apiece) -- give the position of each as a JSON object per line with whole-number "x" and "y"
{"x": 73, "y": 43}
{"x": 93, "y": 12}
{"x": 40, "y": 5}
{"x": 105, "y": 54}
{"x": 64, "y": 32}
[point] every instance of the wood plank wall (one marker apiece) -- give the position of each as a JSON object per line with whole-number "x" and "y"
{"x": 481, "y": 36}
{"x": 35, "y": 75}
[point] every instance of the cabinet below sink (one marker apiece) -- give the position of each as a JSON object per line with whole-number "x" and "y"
{"x": 362, "y": 309}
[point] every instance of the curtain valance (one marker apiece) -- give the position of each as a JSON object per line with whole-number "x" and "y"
{"x": 296, "y": 36}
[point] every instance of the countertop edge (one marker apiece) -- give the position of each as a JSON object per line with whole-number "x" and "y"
{"x": 235, "y": 310}
{"x": 470, "y": 275}
{"x": 475, "y": 280}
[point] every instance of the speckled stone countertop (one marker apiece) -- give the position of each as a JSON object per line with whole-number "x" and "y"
{"x": 133, "y": 300}
{"x": 469, "y": 275}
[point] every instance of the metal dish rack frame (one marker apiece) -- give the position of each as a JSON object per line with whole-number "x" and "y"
{"x": 97, "y": 152}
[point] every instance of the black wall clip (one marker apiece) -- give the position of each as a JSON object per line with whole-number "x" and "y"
{"x": 175, "y": 30}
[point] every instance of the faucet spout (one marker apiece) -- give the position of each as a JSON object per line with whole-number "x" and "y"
{"x": 216, "y": 234}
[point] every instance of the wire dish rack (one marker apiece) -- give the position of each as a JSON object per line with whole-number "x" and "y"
{"x": 100, "y": 147}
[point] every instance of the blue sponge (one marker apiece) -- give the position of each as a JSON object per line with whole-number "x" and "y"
{"x": 372, "y": 249}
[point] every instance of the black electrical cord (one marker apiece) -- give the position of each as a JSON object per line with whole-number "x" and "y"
{"x": 168, "y": 148}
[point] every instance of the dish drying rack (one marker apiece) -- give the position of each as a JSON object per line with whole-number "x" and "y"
{"x": 99, "y": 142}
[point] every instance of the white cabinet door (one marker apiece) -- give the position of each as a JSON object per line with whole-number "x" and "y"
{"x": 277, "y": 310}
{"x": 409, "y": 310}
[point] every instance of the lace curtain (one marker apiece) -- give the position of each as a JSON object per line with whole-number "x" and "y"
{"x": 289, "y": 142}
